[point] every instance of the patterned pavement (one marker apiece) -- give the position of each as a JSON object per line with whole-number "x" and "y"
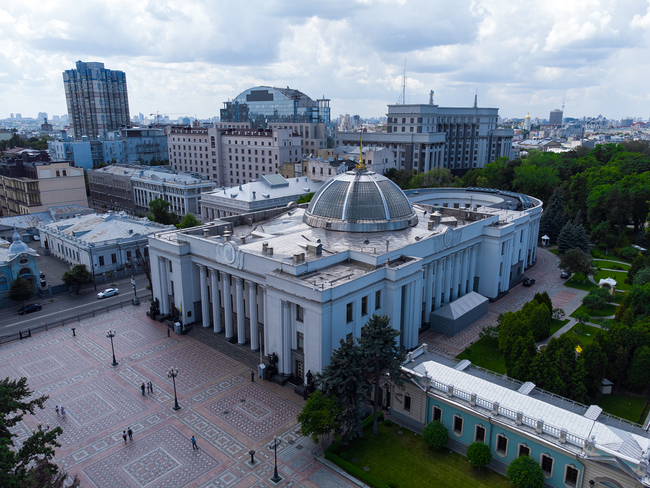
{"x": 226, "y": 413}
{"x": 547, "y": 278}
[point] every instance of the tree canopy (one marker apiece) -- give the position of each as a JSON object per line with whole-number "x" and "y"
{"x": 188, "y": 221}
{"x": 78, "y": 276}
{"x": 20, "y": 290}
{"x": 318, "y": 418}
{"x": 436, "y": 435}
{"x": 160, "y": 212}
{"x": 525, "y": 472}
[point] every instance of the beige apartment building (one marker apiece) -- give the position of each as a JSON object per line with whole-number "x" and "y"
{"x": 31, "y": 187}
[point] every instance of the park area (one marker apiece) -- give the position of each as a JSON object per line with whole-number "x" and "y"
{"x": 398, "y": 457}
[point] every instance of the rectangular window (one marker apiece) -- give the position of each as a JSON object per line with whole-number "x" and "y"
{"x": 348, "y": 312}
{"x": 571, "y": 476}
{"x": 364, "y": 306}
{"x": 299, "y": 313}
{"x": 480, "y": 434}
{"x": 437, "y": 414}
{"x": 503, "y": 248}
{"x": 101, "y": 260}
{"x": 377, "y": 299}
{"x": 113, "y": 258}
{"x": 523, "y": 451}
{"x": 407, "y": 403}
{"x": 547, "y": 465}
{"x": 300, "y": 340}
{"x": 502, "y": 444}
{"x": 458, "y": 425}
{"x": 348, "y": 337}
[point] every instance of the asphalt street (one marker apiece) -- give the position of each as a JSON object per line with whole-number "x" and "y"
{"x": 69, "y": 305}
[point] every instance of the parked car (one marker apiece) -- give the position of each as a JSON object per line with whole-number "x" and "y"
{"x": 529, "y": 282}
{"x": 37, "y": 238}
{"x": 32, "y": 307}
{"x": 108, "y": 292}
{"x": 564, "y": 275}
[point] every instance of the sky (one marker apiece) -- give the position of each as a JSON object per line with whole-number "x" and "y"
{"x": 188, "y": 57}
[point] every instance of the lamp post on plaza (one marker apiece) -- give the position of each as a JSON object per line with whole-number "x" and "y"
{"x": 276, "y": 442}
{"x": 110, "y": 334}
{"x": 172, "y": 372}
{"x": 136, "y": 300}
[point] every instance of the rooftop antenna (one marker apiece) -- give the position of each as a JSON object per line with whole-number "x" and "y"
{"x": 403, "y": 96}
{"x": 563, "y": 98}
{"x": 476, "y": 99}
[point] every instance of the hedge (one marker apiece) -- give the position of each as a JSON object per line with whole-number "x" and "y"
{"x": 354, "y": 471}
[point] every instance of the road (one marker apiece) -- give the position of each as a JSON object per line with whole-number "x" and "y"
{"x": 69, "y": 305}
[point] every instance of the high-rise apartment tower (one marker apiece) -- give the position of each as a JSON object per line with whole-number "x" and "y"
{"x": 97, "y": 100}
{"x": 555, "y": 117}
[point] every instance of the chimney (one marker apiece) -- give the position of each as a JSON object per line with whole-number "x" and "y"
{"x": 253, "y": 195}
{"x": 242, "y": 240}
{"x": 265, "y": 246}
{"x": 296, "y": 259}
{"x": 206, "y": 233}
{"x": 269, "y": 251}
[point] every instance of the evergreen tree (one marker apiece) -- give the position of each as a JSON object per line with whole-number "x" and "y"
{"x": 544, "y": 298}
{"x": 381, "y": 354}
{"x": 20, "y": 290}
{"x": 568, "y": 238}
{"x": 581, "y": 237}
{"x": 343, "y": 379}
{"x": 595, "y": 365}
{"x": 638, "y": 374}
{"x": 540, "y": 322}
{"x": 553, "y": 218}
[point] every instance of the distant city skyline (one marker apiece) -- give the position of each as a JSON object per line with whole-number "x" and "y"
{"x": 354, "y": 53}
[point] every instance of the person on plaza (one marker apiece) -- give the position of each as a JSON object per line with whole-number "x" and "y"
{"x": 142, "y": 388}
{"x": 194, "y": 446}
{"x": 130, "y": 433}
{"x": 56, "y": 409}
{"x": 124, "y": 436}
{"x": 168, "y": 332}
{"x": 62, "y": 411}
{"x": 151, "y": 387}
{"x": 252, "y": 376}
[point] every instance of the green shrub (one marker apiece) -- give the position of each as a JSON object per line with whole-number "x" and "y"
{"x": 479, "y": 454}
{"x": 435, "y": 435}
{"x": 524, "y": 472}
{"x": 628, "y": 253}
{"x": 367, "y": 422}
{"x": 354, "y": 471}
{"x": 345, "y": 455}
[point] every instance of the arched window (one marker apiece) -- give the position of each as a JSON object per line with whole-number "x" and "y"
{"x": 3, "y": 283}
{"x": 58, "y": 173}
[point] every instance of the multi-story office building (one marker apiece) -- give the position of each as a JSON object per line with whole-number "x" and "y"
{"x": 182, "y": 191}
{"x": 110, "y": 187}
{"x": 97, "y": 100}
{"x": 423, "y": 137}
{"x": 231, "y": 156}
{"x": 31, "y": 183}
{"x": 144, "y": 145}
{"x": 556, "y": 117}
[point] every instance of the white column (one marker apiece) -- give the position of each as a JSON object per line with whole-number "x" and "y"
{"x": 428, "y": 277}
{"x": 164, "y": 298}
{"x": 241, "y": 317}
{"x": 216, "y": 302}
{"x": 286, "y": 338}
{"x": 266, "y": 320}
{"x": 447, "y": 288}
{"x": 464, "y": 270}
{"x": 438, "y": 289}
{"x": 252, "y": 303}
{"x": 205, "y": 304}
{"x": 472, "y": 266}
{"x": 227, "y": 305}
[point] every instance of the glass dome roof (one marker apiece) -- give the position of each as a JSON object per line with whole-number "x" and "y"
{"x": 360, "y": 201}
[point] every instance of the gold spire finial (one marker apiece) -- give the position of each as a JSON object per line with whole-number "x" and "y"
{"x": 360, "y": 165}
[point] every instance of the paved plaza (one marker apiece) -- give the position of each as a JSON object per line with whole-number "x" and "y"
{"x": 227, "y": 413}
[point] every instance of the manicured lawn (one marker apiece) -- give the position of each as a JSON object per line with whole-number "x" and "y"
{"x": 623, "y": 405}
{"x": 576, "y": 282}
{"x": 486, "y": 354}
{"x": 410, "y": 463}
{"x": 557, "y": 325}
{"x": 611, "y": 264}
{"x": 619, "y": 276}
{"x": 610, "y": 309}
{"x": 555, "y": 251}
{"x": 586, "y": 337}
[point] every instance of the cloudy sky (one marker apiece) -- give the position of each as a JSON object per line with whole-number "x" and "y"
{"x": 187, "y": 57}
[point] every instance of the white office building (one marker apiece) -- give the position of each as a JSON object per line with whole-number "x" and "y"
{"x": 296, "y": 281}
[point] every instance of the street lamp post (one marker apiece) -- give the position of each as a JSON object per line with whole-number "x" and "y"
{"x": 172, "y": 372}
{"x": 276, "y": 442}
{"x": 136, "y": 301}
{"x": 110, "y": 334}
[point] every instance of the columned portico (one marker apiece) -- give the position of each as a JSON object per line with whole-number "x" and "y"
{"x": 428, "y": 276}
{"x": 164, "y": 298}
{"x": 216, "y": 302}
{"x": 266, "y": 319}
{"x": 227, "y": 305}
{"x": 241, "y": 318}
{"x": 448, "y": 285}
{"x": 286, "y": 337}
{"x": 205, "y": 304}
{"x": 472, "y": 266}
{"x": 456, "y": 276}
{"x": 252, "y": 303}
{"x": 464, "y": 272}
{"x": 438, "y": 289}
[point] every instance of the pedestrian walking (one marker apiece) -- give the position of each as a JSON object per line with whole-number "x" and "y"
{"x": 194, "y": 446}
{"x": 142, "y": 387}
{"x": 124, "y": 436}
{"x": 56, "y": 409}
{"x": 253, "y": 376}
{"x": 62, "y": 411}
{"x": 151, "y": 386}
{"x": 130, "y": 433}
{"x": 168, "y": 332}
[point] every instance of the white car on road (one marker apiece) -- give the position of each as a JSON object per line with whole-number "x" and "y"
{"x": 108, "y": 292}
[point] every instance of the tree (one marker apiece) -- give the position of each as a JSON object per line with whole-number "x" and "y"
{"x": 381, "y": 354}
{"x": 553, "y": 218}
{"x": 42, "y": 476}
{"x": 434, "y": 178}
{"x": 544, "y": 298}
{"x": 525, "y": 472}
{"x": 594, "y": 302}
{"x": 638, "y": 373}
{"x": 305, "y": 198}
{"x": 78, "y": 276}
{"x": 160, "y": 212}
{"x": 435, "y": 435}
{"x": 582, "y": 317}
{"x": 558, "y": 313}
{"x": 20, "y": 290}
{"x": 595, "y": 364}
{"x": 568, "y": 238}
{"x": 343, "y": 378}
{"x": 540, "y": 322}
{"x": 188, "y": 221}
{"x": 576, "y": 261}
{"x": 642, "y": 277}
{"x": 20, "y": 467}
{"x": 143, "y": 261}
{"x": 318, "y": 418}
{"x": 479, "y": 454}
